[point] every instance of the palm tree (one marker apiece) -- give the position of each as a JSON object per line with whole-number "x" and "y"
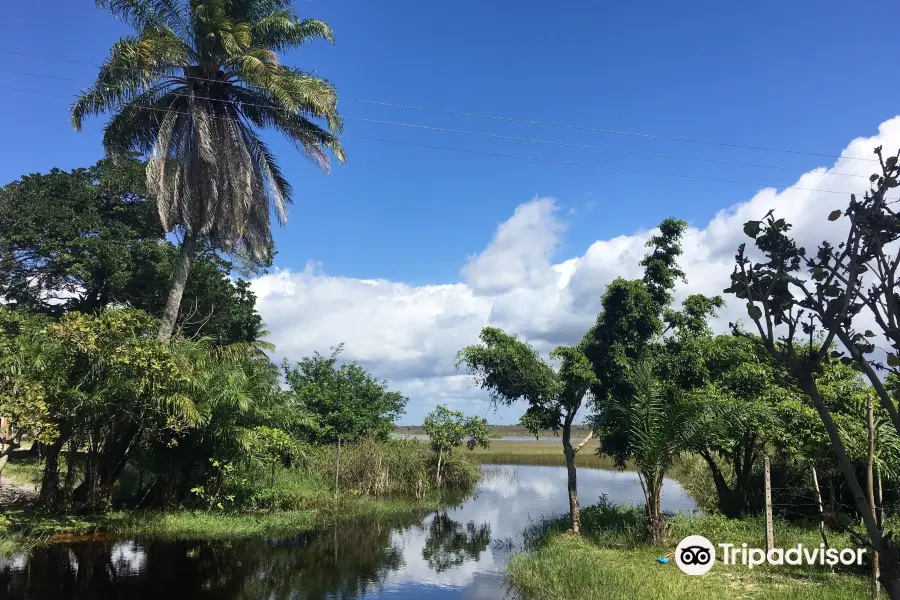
{"x": 655, "y": 432}
{"x": 192, "y": 89}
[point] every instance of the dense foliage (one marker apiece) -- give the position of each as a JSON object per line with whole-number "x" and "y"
{"x": 814, "y": 308}
{"x": 115, "y": 414}
{"x": 89, "y": 238}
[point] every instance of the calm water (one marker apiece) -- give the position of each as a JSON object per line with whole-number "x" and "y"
{"x": 448, "y": 555}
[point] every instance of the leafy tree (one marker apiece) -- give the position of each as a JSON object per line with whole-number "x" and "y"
{"x": 447, "y": 429}
{"x": 632, "y": 317}
{"x": 272, "y": 446}
{"x": 235, "y": 391}
{"x": 510, "y": 370}
{"x": 24, "y": 408}
{"x": 89, "y": 238}
{"x": 118, "y": 384}
{"x": 345, "y": 401}
{"x": 101, "y": 386}
{"x": 741, "y": 390}
{"x": 79, "y": 240}
{"x": 192, "y": 88}
{"x": 638, "y": 415}
{"x": 656, "y": 433}
{"x": 802, "y": 303}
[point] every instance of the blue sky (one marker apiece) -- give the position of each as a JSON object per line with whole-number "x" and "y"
{"x": 794, "y": 75}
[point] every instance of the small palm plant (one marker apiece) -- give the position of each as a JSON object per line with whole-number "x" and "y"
{"x": 192, "y": 89}
{"x": 650, "y": 432}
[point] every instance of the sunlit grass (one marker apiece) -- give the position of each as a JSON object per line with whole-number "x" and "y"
{"x": 572, "y": 567}
{"x": 537, "y": 452}
{"x": 24, "y": 472}
{"x": 614, "y": 559}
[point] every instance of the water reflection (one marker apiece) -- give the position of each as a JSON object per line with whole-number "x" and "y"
{"x": 450, "y": 544}
{"x": 443, "y": 556}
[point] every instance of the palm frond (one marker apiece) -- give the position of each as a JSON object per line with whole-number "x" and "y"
{"x": 294, "y": 91}
{"x": 141, "y": 14}
{"x": 136, "y": 126}
{"x": 282, "y": 30}
{"x": 192, "y": 88}
{"x": 134, "y": 65}
{"x": 311, "y": 139}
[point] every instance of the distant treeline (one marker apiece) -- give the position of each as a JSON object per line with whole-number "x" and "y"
{"x": 497, "y": 430}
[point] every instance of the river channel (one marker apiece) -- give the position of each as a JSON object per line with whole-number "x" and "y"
{"x": 455, "y": 554}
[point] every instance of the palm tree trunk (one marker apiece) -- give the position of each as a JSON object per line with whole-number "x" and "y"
{"x": 179, "y": 281}
{"x": 656, "y": 522}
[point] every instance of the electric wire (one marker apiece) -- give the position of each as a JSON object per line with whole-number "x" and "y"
{"x": 512, "y": 119}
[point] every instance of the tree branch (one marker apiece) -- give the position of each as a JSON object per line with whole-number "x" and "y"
{"x": 583, "y": 442}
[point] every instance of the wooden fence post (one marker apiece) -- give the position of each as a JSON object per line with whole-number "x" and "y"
{"x": 770, "y": 533}
{"x": 870, "y": 483}
{"x": 815, "y": 478}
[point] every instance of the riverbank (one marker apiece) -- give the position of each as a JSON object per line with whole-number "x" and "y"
{"x": 611, "y": 562}
{"x": 22, "y": 528}
{"x": 376, "y": 481}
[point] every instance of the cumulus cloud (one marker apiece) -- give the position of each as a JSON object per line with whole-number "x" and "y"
{"x": 410, "y": 334}
{"x": 519, "y": 255}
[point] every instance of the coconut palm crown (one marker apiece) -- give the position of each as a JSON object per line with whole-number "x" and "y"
{"x": 192, "y": 89}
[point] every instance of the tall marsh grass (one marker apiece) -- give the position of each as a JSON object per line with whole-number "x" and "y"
{"x": 395, "y": 467}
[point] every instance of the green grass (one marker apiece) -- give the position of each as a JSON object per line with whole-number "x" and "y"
{"x": 614, "y": 560}
{"x": 571, "y": 567}
{"x": 536, "y": 452}
{"x": 23, "y": 471}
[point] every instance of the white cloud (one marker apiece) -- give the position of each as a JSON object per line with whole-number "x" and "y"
{"x": 519, "y": 255}
{"x": 410, "y": 334}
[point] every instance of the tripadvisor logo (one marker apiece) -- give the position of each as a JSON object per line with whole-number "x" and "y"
{"x": 696, "y": 555}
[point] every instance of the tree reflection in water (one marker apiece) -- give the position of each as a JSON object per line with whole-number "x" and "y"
{"x": 449, "y": 544}
{"x": 344, "y": 562}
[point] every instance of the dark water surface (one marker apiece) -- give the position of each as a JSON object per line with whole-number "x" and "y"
{"x": 449, "y": 555}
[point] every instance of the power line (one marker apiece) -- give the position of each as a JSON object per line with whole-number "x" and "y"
{"x": 515, "y": 120}
{"x": 38, "y": 75}
{"x": 608, "y": 131}
{"x": 500, "y": 136}
{"x": 589, "y": 147}
{"x": 606, "y": 167}
{"x": 516, "y": 157}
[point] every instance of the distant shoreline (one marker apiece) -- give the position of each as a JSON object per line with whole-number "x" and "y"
{"x": 498, "y": 431}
